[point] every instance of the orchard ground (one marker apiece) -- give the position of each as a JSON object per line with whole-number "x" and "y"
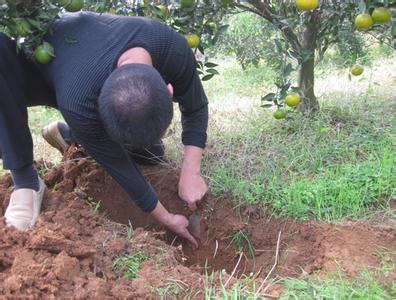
{"x": 299, "y": 208}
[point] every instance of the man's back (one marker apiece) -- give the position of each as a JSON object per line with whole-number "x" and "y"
{"x": 87, "y": 47}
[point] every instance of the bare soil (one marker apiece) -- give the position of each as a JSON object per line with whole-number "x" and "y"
{"x": 72, "y": 249}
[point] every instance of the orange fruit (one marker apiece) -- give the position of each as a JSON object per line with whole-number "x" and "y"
{"x": 357, "y": 70}
{"x": 280, "y": 114}
{"x": 193, "y": 40}
{"x": 364, "y": 21}
{"x": 44, "y": 53}
{"x": 293, "y": 99}
{"x": 74, "y": 5}
{"x": 381, "y": 15}
{"x": 307, "y": 4}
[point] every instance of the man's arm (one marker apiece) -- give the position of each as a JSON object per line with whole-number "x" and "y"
{"x": 192, "y": 187}
{"x": 194, "y": 107}
{"x": 93, "y": 137}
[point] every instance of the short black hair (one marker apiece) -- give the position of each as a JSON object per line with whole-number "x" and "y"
{"x": 135, "y": 105}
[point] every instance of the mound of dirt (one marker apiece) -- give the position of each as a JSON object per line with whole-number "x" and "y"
{"x": 72, "y": 250}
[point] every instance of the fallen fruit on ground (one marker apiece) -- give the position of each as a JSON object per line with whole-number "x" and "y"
{"x": 364, "y": 21}
{"x": 74, "y": 5}
{"x": 44, "y": 53}
{"x": 193, "y": 40}
{"x": 381, "y": 15}
{"x": 280, "y": 114}
{"x": 307, "y": 4}
{"x": 293, "y": 99}
{"x": 357, "y": 70}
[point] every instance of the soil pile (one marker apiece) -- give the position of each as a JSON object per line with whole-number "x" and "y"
{"x": 72, "y": 250}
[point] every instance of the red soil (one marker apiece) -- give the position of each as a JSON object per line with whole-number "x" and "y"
{"x": 71, "y": 251}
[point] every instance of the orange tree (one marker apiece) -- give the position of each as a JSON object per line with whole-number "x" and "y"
{"x": 307, "y": 27}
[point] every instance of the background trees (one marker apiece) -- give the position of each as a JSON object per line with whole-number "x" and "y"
{"x": 293, "y": 34}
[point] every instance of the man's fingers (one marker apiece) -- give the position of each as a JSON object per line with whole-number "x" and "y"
{"x": 191, "y": 239}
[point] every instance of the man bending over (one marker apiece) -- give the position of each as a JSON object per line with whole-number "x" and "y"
{"x": 114, "y": 78}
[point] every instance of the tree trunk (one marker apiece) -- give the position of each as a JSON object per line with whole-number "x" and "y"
{"x": 306, "y": 78}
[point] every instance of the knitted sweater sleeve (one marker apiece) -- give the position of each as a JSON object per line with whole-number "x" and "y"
{"x": 91, "y": 134}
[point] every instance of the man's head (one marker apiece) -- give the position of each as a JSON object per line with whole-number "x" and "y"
{"x": 135, "y": 105}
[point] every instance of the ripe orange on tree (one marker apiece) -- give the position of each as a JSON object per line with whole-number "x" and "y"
{"x": 357, "y": 70}
{"x": 364, "y": 21}
{"x": 307, "y": 4}
{"x": 193, "y": 40}
{"x": 293, "y": 99}
{"x": 381, "y": 15}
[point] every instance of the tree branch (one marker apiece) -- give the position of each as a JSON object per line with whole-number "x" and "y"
{"x": 263, "y": 10}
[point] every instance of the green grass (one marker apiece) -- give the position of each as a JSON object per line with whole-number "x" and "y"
{"x": 344, "y": 190}
{"x": 235, "y": 82}
{"x": 336, "y": 287}
{"x": 130, "y": 265}
{"x": 368, "y": 285}
{"x": 335, "y": 165}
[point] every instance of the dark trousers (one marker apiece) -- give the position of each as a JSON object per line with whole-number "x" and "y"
{"x": 21, "y": 86}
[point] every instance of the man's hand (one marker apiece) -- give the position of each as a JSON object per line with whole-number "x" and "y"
{"x": 176, "y": 223}
{"x": 192, "y": 187}
{"x": 179, "y": 226}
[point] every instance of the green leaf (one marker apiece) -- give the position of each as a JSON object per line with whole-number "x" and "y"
{"x": 268, "y": 97}
{"x": 212, "y": 71}
{"x": 266, "y": 105}
{"x": 287, "y": 71}
{"x": 211, "y": 65}
{"x": 49, "y": 49}
{"x": 207, "y": 77}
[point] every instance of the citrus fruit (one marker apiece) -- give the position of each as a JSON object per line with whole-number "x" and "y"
{"x": 22, "y": 27}
{"x": 193, "y": 40}
{"x": 187, "y": 3}
{"x": 307, "y": 4}
{"x": 74, "y": 5}
{"x": 381, "y": 15}
{"x": 164, "y": 10}
{"x": 293, "y": 99}
{"x": 357, "y": 70}
{"x": 364, "y": 21}
{"x": 44, "y": 53}
{"x": 280, "y": 114}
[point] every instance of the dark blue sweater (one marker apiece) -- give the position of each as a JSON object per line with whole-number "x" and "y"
{"x": 87, "y": 48}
